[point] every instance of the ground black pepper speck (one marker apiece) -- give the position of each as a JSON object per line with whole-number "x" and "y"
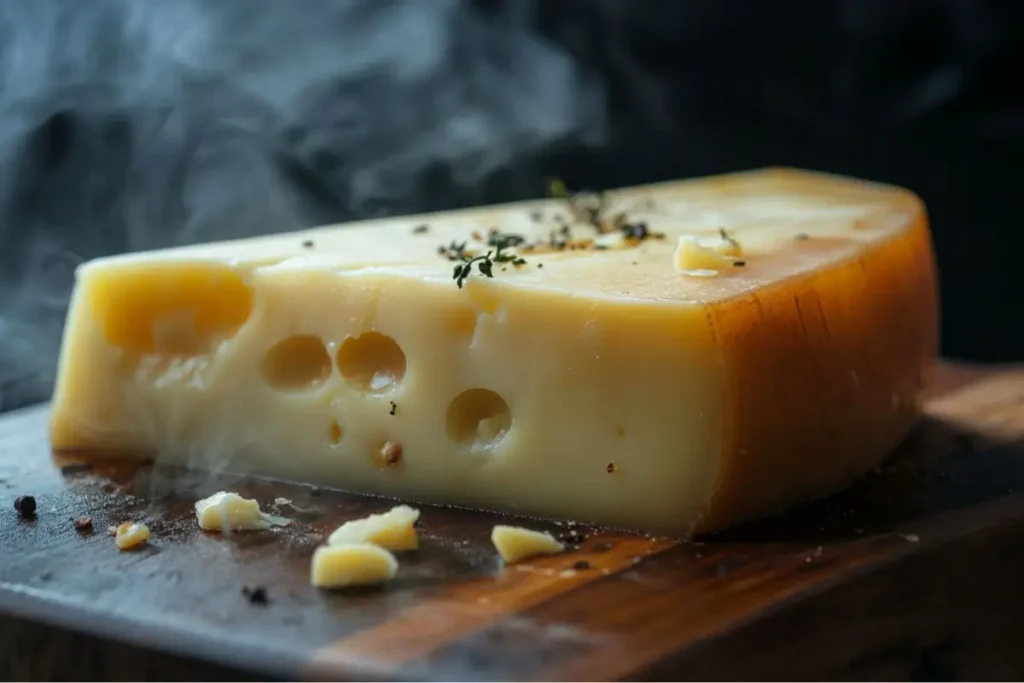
{"x": 257, "y": 595}
{"x": 573, "y": 536}
{"x": 25, "y": 506}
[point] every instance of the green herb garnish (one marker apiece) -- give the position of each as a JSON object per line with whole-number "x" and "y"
{"x": 485, "y": 263}
{"x": 725, "y": 237}
{"x": 464, "y": 270}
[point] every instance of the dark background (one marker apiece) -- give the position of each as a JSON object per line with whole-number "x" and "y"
{"x": 134, "y": 124}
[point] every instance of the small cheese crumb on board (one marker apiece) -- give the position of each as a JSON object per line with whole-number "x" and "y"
{"x": 130, "y": 535}
{"x": 352, "y": 564}
{"x": 392, "y": 530}
{"x": 516, "y": 543}
{"x": 693, "y": 257}
{"x": 229, "y": 511}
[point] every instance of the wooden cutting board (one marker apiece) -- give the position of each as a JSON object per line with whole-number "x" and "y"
{"x": 913, "y": 573}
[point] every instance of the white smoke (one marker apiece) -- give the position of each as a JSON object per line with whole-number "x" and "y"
{"x": 129, "y": 125}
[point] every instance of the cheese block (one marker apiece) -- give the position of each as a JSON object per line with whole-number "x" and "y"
{"x": 584, "y": 370}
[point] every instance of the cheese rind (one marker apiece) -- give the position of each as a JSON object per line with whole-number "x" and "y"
{"x": 720, "y": 398}
{"x": 352, "y": 564}
{"x": 392, "y": 530}
{"x": 515, "y": 544}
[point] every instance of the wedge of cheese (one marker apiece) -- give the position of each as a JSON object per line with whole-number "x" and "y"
{"x": 671, "y": 358}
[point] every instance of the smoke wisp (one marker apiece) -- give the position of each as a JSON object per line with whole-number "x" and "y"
{"x": 130, "y": 125}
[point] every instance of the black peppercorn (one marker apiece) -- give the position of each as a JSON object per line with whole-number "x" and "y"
{"x": 26, "y": 506}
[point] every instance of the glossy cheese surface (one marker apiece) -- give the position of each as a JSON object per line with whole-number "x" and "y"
{"x": 599, "y": 380}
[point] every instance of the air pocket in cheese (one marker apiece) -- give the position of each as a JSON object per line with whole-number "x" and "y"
{"x": 525, "y": 350}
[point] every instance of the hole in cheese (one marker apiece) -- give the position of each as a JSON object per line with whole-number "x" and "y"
{"x": 479, "y": 417}
{"x": 372, "y": 361}
{"x": 297, "y": 363}
{"x": 179, "y": 311}
{"x": 334, "y": 433}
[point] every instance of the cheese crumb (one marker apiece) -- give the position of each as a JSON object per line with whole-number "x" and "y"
{"x": 353, "y": 564}
{"x": 392, "y": 530}
{"x": 516, "y": 543}
{"x": 229, "y": 511}
{"x": 130, "y": 535}
{"x": 691, "y": 257}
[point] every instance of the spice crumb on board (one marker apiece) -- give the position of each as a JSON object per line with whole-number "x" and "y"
{"x": 581, "y": 565}
{"x": 25, "y": 506}
{"x": 256, "y": 595}
{"x": 573, "y": 536}
{"x": 82, "y": 524}
{"x": 308, "y": 244}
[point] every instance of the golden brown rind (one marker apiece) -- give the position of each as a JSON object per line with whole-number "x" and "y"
{"x": 824, "y": 375}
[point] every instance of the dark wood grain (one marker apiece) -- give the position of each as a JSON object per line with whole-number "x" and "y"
{"x": 911, "y": 573}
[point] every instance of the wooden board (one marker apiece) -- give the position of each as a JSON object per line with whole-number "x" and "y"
{"x": 912, "y": 573}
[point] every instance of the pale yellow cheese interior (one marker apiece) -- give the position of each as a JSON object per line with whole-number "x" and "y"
{"x": 353, "y": 564}
{"x": 598, "y": 384}
{"x": 515, "y": 543}
{"x": 228, "y": 511}
{"x": 393, "y": 530}
{"x": 130, "y": 535}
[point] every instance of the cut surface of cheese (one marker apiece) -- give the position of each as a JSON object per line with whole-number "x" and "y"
{"x": 516, "y": 543}
{"x": 392, "y": 530}
{"x": 585, "y": 378}
{"x": 353, "y": 564}
{"x": 225, "y": 510}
